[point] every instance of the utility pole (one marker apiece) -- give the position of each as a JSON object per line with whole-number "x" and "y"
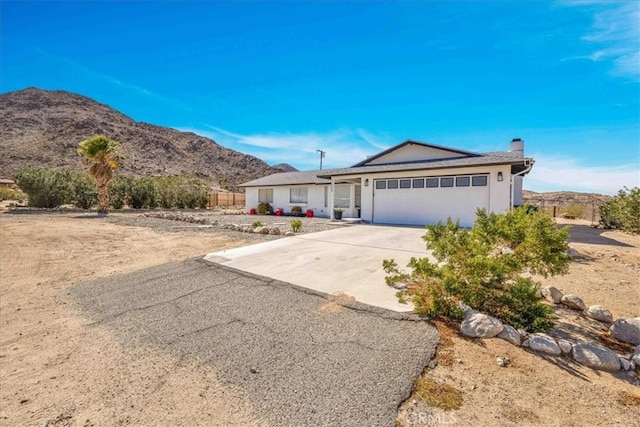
{"x": 322, "y": 153}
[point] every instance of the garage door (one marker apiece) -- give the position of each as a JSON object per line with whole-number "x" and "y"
{"x": 427, "y": 200}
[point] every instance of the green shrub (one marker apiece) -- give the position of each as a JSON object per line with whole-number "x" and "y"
{"x": 45, "y": 188}
{"x": 141, "y": 193}
{"x": 296, "y": 210}
{"x": 118, "y": 191}
{"x": 85, "y": 192}
{"x": 623, "y": 211}
{"x": 296, "y": 225}
{"x": 486, "y": 268}
{"x": 264, "y": 209}
{"x": 11, "y": 194}
{"x": 256, "y": 224}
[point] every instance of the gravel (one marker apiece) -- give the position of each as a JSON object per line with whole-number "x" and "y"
{"x": 298, "y": 357}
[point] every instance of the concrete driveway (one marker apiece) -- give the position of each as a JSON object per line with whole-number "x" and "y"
{"x": 347, "y": 259}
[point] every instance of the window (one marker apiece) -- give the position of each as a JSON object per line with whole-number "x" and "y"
{"x": 446, "y": 182}
{"x": 392, "y": 183}
{"x": 462, "y": 181}
{"x": 432, "y": 182}
{"x": 298, "y": 195}
{"x": 265, "y": 195}
{"x": 479, "y": 181}
{"x": 381, "y": 185}
{"x": 405, "y": 183}
{"x": 342, "y": 197}
{"x": 418, "y": 183}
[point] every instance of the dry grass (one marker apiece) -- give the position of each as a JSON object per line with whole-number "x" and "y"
{"x": 629, "y": 399}
{"x": 444, "y": 350}
{"x": 436, "y": 395}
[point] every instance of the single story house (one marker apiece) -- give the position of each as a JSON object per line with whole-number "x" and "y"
{"x": 412, "y": 183}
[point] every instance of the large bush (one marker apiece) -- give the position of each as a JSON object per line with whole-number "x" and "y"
{"x": 487, "y": 267}
{"x": 85, "y": 193}
{"x": 623, "y": 211}
{"x": 46, "y": 188}
{"x": 165, "y": 192}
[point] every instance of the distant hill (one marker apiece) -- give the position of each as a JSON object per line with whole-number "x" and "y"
{"x": 43, "y": 128}
{"x": 285, "y": 167}
{"x": 564, "y": 198}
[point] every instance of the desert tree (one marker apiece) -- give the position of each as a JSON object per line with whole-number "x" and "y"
{"x": 100, "y": 153}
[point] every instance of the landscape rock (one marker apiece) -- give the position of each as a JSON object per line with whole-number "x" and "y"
{"x": 289, "y": 233}
{"x": 525, "y": 343}
{"x": 510, "y": 334}
{"x": 565, "y": 346}
{"x": 626, "y": 330}
{"x": 275, "y": 231}
{"x": 573, "y": 301}
{"x": 501, "y": 361}
{"x": 464, "y": 308}
{"x": 265, "y": 230}
{"x": 573, "y": 253}
{"x": 480, "y": 325}
{"x": 551, "y": 294}
{"x": 596, "y": 357}
{"x": 544, "y": 344}
{"x": 600, "y": 313}
{"x": 258, "y": 230}
{"x": 625, "y": 364}
{"x": 523, "y": 334}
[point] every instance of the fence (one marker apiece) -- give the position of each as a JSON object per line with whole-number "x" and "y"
{"x": 226, "y": 199}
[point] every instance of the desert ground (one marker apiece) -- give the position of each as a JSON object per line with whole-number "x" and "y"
{"x": 58, "y": 369}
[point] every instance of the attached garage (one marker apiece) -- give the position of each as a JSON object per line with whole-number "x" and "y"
{"x": 429, "y": 199}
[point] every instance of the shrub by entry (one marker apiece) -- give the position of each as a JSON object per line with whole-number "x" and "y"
{"x": 487, "y": 268}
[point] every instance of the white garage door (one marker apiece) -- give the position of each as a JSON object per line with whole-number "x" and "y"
{"x": 427, "y": 200}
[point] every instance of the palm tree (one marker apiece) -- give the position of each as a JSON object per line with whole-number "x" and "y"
{"x": 100, "y": 153}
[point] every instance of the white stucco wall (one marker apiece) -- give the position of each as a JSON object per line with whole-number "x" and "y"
{"x": 281, "y": 197}
{"x": 499, "y": 191}
{"x": 412, "y": 153}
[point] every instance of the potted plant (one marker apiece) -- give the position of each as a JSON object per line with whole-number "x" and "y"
{"x": 337, "y": 213}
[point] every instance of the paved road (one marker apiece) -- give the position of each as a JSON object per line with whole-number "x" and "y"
{"x": 315, "y": 366}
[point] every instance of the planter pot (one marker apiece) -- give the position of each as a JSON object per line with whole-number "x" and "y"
{"x": 252, "y": 212}
{"x": 309, "y": 213}
{"x": 337, "y": 215}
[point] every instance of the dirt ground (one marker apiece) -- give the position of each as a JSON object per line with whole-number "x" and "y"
{"x": 57, "y": 369}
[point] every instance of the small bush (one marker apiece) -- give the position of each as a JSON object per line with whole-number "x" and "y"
{"x": 487, "y": 268}
{"x": 11, "y": 194}
{"x": 574, "y": 210}
{"x": 264, "y": 209}
{"x": 296, "y": 225}
{"x": 296, "y": 210}
{"x": 46, "y": 188}
{"x": 622, "y": 212}
{"x": 256, "y": 224}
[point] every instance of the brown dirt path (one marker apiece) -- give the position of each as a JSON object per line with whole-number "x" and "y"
{"x": 56, "y": 368}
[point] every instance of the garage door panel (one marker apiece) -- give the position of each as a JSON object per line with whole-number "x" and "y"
{"x": 420, "y": 206}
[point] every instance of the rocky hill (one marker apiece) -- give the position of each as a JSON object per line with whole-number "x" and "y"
{"x": 285, "y": 167}
{"x": 43, "y": 128}
{"x": 564, "y": 198}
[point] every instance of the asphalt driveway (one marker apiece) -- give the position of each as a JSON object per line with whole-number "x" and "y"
{"x": 347, "y": 260}
{"x": 299, "y": 358}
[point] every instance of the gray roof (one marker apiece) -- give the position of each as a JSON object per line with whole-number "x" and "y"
{"x": 514, "y": 159}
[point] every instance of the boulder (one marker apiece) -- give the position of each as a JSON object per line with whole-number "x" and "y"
{"x": 626, "y": 330}
{"x": 600, "y": 313}
{"x": 275, "y": 231}
{"x": 573, "y": 301}
{"x": 565, "y": 346}
{"x": 573, "y": 253}
{"x": 596, "y": 357}
{"x": 265, "y": 230}
{"x": 544, "y": 344}
{"x": 480, "y": 325}
{"x": 289, "y": 233}
{"x": 625, "y": 365}
{"x": 510, "y": 334}
{"x": 551, "y": 294}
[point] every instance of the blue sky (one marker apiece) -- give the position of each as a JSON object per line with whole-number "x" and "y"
{"x": 279, "y": 80}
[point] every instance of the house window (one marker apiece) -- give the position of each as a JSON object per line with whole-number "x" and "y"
{"x": 431, "y": 182}
{"x": 446, "y": 182}
{"x": 405, "y": 183}
{"x": 463, "y": 181}
{"x": 479, "y": 181}
{"x": 392, "y": 183}
{"x": 418, "y": 183}
{"x": 342, "y": 197}
{"x": 265, "y": 195}
{"x": 381, "y": 185}
{"x": 298, "y": 195}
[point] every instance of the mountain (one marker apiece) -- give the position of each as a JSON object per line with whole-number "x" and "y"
{"x": 43, "y": 128}
{"x": 564, "y": 198}
{"x": 285, "y": 167}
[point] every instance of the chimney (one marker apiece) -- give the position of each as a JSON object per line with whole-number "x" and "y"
{"x": 517, "y": 146}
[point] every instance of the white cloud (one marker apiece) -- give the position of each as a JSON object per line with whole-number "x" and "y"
{"x": 556, "y": 174}
{"x": 615, "y": 35}
{"x": 343, "y": 147}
